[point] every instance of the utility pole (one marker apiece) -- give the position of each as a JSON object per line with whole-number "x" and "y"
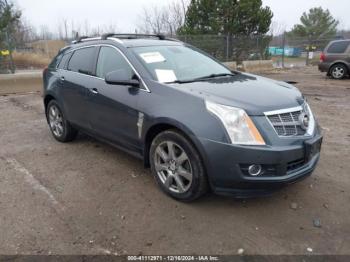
{"x": 7, "y": 39}
{"x": 12, "y": 64}
{"x": 283, "y": 48}
{"x": 308, "y": 52}
{"x": 227, "y": 47}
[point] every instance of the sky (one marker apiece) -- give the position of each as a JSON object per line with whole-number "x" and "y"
{"x": 124, "y": 14}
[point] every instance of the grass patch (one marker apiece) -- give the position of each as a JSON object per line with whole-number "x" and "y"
{"x": 30, "y": 60}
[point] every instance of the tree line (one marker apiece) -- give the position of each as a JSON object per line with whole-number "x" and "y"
{"x": 230, "y": 18}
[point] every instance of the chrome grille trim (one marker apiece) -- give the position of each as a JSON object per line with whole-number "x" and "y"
{"x": 286, "y": 122}
{"x": 286, "y": 110}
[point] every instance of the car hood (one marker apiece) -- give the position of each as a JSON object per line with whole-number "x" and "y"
{"x": 254, "y": 94}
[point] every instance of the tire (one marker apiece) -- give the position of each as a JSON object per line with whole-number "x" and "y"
{"x": 60, "y": 128}
{"x": 338, "y": 71}
{"x": 180, "y": 173}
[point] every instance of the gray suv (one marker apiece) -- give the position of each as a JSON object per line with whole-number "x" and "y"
{"x": 335, "y": 60}
{"x": 198, "y": 125}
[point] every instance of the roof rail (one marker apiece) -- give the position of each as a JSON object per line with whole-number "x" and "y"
{"x": 85, "y": 38}
{"x": 79, "y": 39}
{"x": 121, "y": 36}
{"x": 132, "y": 36}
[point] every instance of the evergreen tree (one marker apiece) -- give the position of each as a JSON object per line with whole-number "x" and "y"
{"x": 316, "y": 24}
{"x": 227, "y": 17}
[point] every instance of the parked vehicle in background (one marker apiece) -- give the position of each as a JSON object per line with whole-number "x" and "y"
{"x": 335, "y": 60}
{"x": 197, "y": 124}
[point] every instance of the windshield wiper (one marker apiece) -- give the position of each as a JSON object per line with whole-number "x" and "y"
{"x": 202, "y": 78}
{"x": 213, "y": 76}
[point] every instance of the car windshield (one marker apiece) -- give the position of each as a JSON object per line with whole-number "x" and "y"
{"x": 169, "y": 64}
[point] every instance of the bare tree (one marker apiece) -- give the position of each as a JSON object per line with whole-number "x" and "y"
{"x": 277, "y": 28}
{"x": 166, "y": 19}
{"x": 60, "y": 31}
{"x": 177, "y": 14}
{"x": 25, "y": 33}
{"x": 45, "y": 33}
{"x": 87, "y": 28}
{"x": 111, "y": 28}
{"x": 73, "y": 29}
{"x": 65, "y": 28}
{"x": 151, "y": 20}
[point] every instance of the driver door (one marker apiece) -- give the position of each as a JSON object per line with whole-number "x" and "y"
{"x": 112, "y": 109}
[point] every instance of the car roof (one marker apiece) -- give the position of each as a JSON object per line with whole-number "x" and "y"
{"x": 339, "y": 40}
{"x": 127, "y": 42}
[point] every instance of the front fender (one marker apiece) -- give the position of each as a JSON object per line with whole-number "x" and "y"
{"x": 186, "y": 130}
{"x": 173, "y": 123}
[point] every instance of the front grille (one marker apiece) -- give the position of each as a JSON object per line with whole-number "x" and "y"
{"x": 287, "y": 123}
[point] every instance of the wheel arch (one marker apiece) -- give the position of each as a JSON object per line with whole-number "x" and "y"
{"x": 47, "y": 99}
{"x": 167, "y": 124}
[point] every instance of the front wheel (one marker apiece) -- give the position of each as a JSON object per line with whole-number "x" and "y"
{"x": 177, "y": 166}
{"x": 60, "y": 128}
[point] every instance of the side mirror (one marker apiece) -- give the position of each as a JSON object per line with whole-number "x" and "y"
{"x": 121, "y": 77}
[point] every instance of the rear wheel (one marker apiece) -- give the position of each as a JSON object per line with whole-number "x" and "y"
{"x": 338, "y": 71}
{"x": 60, "y": 128}
{"x": 177, "y": 166}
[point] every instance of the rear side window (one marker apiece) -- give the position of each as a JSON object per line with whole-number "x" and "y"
{"x": 82, "y": 61}
{"x": 110, "y": 60}
{"x": 64, "y": 60}
{"x": 338, "y": 47}
{"x": 55, "y": 61}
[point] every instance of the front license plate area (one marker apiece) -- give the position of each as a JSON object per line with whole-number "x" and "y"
{"x": 312, "y": 148}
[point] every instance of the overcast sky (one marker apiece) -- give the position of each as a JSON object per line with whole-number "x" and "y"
{"x": 124, "y": 13}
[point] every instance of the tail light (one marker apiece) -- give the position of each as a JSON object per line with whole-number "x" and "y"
{"x": 322, "y": 57}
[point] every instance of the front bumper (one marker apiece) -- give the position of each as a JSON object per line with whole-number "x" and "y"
{"x": 283, "y": 165}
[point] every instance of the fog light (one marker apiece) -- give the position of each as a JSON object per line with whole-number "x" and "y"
{"x": 254, "y": 170}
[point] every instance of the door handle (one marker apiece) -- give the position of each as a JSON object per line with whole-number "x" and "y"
{"x": 62, "y": 78}
{"x": 94, "y": 90}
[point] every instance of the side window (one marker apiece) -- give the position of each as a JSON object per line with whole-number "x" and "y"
{"x": 82, "y": 61}
{"x": 55, "y": 61}
{"x": 110, "y": 60}
{"x": 64, "y": 60}
{"x": 338, "y": 47}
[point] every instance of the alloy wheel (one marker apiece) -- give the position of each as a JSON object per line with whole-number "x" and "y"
{"x": 338, "y": 72}
{"x": 173, "y": 167}
{"x": 56, "y": 121}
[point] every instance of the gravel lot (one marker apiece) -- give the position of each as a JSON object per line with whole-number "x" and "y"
{"x": 86, "y": 197}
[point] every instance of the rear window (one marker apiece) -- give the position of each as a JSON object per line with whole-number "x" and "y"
{"x": 82, "y": 61}
{"x": 338, "y": 47}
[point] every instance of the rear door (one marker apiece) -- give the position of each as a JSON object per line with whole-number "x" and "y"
{"x": 112, "y": 108}
{"x": 348, "y": 56}
{"x": 75, "y": 82}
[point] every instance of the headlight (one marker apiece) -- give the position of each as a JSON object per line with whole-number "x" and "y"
{"x": 311, "y": 124}
{"x": 238, "y": 124}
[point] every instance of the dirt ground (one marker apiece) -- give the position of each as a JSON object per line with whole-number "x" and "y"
{"x": 86, "y": 197}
